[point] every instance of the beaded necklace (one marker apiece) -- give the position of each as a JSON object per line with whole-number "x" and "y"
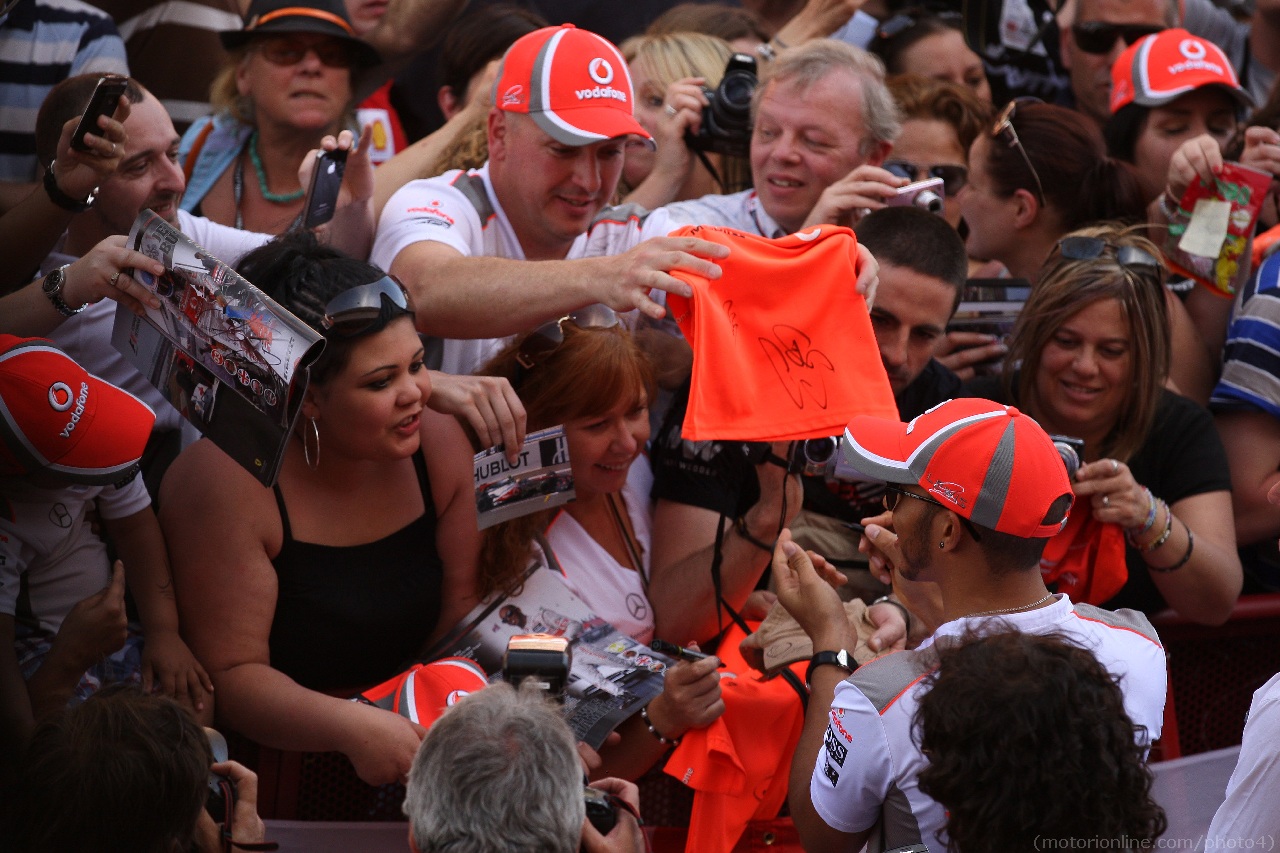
{"x": 277, "y": 198}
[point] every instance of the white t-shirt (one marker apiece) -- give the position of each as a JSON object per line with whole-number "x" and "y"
{"x": 741, "y": 210}
{"x": 86, "y": 337}
{"x": 1249, "y": 816}
{"x": 614, "y": 592}
{"x": 44, "y": 536}
{"x": 867, "y": 772}
{"x": 461, "y": 210}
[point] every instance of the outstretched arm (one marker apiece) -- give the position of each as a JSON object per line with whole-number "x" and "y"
{"x": 472, "y": 297}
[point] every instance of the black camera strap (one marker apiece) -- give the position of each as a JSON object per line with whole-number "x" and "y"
{"x": 706, "y": 163}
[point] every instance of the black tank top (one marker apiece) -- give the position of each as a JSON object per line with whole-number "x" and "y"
{"x": 352, "y": 616}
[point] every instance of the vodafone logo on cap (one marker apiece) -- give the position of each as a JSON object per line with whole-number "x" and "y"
{"x": 60, "y": 396}
{"x": 600, "y": 70}
{"x": 1192, "y": 49}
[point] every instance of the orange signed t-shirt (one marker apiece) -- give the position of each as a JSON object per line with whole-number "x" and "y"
{"x": 782, "y": 341}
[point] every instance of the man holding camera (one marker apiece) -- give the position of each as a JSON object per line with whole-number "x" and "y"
{"x": 823, "y": 124}
{"x": 499, "y": 742}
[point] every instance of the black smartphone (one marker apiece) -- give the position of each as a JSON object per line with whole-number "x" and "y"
{"x": 326, "y": 180}
{"x": 106, "y": 97}
{"x": 671, "y": 650}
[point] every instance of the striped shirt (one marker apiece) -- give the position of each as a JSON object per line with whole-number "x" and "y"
{"x": 1251, "y": 360}
{"x": 43, "y": 42}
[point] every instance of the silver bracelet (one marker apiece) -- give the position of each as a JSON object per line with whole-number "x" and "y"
{"x": 906, "y": 614}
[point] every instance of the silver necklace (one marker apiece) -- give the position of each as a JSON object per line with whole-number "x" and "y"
{"x": 1032, "y": 606}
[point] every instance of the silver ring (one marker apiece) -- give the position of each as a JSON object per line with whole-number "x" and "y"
{"x": 1115, "y": 467}
{"x": 115, "y": 278}
{"x": 670, "y": 110}
{"x": 1106, "y": 500}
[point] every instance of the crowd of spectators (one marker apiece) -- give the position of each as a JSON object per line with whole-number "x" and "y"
{"x": 511, "y": 229}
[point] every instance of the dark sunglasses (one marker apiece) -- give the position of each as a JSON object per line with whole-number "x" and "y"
{"x": 953, "y": 177}
{"x": 1004, "y": 131}
{"x": 1092, "y": 248}
{"x": 542, "y": 342}
{"x": 893, "y": 495}
{"x": 357, "y": 311}
{"x": 1098, "y": 37}
{"x": 286, "y": 51}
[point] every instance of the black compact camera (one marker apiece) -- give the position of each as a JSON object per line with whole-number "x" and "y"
{"x": 726, "y": 119}
{"x": 601, "y": 810}
{"x": 811, "y": 457}
{"x": 1072, "y": 452}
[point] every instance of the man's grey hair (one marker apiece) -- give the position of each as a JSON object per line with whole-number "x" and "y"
{"x": 497, "y": 773}
{"x": 806, "y": 64}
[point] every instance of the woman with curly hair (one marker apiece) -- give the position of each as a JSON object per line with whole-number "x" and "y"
{"x": 1028, "y": 739}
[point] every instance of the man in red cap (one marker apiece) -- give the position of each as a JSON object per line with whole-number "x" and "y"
{"x": 974, "y": 491}
{"x": 70, "y": 443}
{"x": 557, "y": 137}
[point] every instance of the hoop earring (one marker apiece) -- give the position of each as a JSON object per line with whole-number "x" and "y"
{"x": 306, "y": 448}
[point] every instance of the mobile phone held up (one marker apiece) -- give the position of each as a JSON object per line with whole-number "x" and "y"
{"x": 105, "y": 99}
{"x": 326, "y": 180}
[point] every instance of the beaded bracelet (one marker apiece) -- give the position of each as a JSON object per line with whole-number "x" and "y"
{"x": 1191, "y": 544}
{"x": 1168, "y": 528}
{"x": 644, "y": 715}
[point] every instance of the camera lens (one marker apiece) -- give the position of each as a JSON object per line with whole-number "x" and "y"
{"x": 1070, "y": 458}
{"x": 929, "y": 200}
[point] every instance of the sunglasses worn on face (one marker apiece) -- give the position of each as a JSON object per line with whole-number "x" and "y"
{"x": 954, "y": 177}
{"x": 893, "y": 495}
{"x": 285, "y": 51}
{"x": 549, "y": 336}
{"x": 1003, "y": 131}
{"x": 1092, "y": 248}
{"x": 1098, "y": 37}
{"x": 356, "y": 311}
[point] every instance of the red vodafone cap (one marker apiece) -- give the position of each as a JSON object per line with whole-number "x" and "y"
{"x": 426, "y": 691}
{"x": 989, "y": 463}
{"x": 1160, "y": 68}
{"x": 55, "y": 416}
{"x": 572, "y": 83}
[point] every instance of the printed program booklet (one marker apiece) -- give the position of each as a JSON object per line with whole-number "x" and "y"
{"x": 226, "y": 355}
{"x": 612, "y": 676}
{"x": 540, "y": 479}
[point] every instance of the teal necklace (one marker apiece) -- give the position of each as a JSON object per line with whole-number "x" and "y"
{"x": 277, "y": 198}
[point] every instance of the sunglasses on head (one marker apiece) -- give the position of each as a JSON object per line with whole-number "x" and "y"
{"x": 954, "y": 177}
{"x": 289, "y": 51}
{"x": 1003, "y": 131}
{"x": 1099, "y": 37}
{"x": 356, "y": 311}
{"x": 542, "y": 342}
{"x": 893, "y": 495}
{"x": 1092, "y": 248}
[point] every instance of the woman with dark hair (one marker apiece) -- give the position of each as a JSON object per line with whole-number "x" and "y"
{"x": 916, "y": 41}
{"x": 1028, "y": 739}
{"x": 287, "y": 83}
{"x": 337, "y": 577}
{"x": 1088, "y": 359}
{"x": 586, "y": 372}
{"x": 1036, "y": 173}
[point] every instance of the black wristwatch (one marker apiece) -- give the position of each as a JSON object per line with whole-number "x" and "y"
{"x": 61, "y": 199}
{"x": 841, "y": 659}
{"x": 52, "y": 288}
